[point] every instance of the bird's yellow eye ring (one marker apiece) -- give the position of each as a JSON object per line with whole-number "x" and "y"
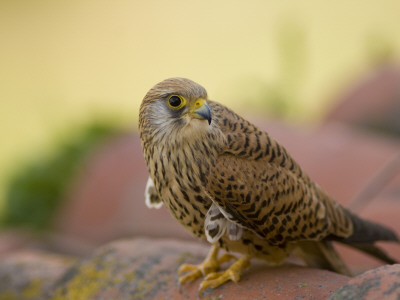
{"x": 176, "y": 102}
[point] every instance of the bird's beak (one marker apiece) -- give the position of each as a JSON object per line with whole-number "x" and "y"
{"x": 201, "y": 111}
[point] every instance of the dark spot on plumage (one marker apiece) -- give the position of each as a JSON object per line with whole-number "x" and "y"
{"x": 283, "y": 161}
{"x": 258, "y": 247}
{"x": 241, "y": 195}
{"x": 275, "y": 220}
{"x": 259, "y": 156}
{"x": 196, "y": 189}
{"x": 246, "y": 142}
{"x": 272, "y": 158}
{"x": 229, "y": 195}
{"x": 246, "y": 241}
{"x": 229, "y": 187}
{"x": 199, "y": 198}
{"x": 267, "y": 149}
{"x": 180, "y": 204}
{"x": 231, "y": 178}
{"x": 203, "y": 178}
{"x": 168, "y": 154}
{"x": 278, "y": 150}
{"x": 248, "y": 197}
{"x": 312, "y": 235}
{"x": 297, "y": 221}
{"x": 289, "y": 208}
{"x": 172, "y": 206}
{"x": 255, "y": 215}
{"x": 221, "y": 180}
{"x": 185, "y": 195}
{"x": 271, "y": 227}
{"x": 217, "y": 192}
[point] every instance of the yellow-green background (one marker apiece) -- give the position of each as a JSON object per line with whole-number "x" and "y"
{"x": 63, "y": 61}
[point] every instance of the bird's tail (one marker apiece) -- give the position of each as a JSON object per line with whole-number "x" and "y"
{"x": 321, "y": 254}
{"x": 368, "y": 232}
{"x": 365, "y": 234}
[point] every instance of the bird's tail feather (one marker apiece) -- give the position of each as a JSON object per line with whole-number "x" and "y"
{"x": 365, "y": 234}
{"x": 368, "y": 232}
{"x": 321, "y": 254}
{"x": 374, "y": 251}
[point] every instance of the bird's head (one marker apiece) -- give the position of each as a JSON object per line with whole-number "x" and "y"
{"x": 175, "y": 105}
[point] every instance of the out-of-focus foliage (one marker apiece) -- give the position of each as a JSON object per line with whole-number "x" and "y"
{"x": 37, "y": 187}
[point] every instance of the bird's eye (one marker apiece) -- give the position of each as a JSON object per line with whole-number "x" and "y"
{"x": 176, "y": 102}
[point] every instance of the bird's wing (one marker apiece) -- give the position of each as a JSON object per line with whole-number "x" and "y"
{"x": 152, "y": 199}
{"x": 257, "y": 185}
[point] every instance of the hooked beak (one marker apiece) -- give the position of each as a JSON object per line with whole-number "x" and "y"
{"x": 201, "y": 111}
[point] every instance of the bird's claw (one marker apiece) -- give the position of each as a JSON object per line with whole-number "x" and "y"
{"x": 233, "y": 273}
{"x": 194, "y": 273}
{"x": 209, "y": 266}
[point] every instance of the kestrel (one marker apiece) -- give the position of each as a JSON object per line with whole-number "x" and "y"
{"x": 230, "y": 183}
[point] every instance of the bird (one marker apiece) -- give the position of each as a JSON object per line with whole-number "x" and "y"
{"x": 233, "y": 185}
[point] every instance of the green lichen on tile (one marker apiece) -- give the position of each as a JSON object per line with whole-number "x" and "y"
{"x": 34, "y": 290}
{"x": 8, "y": 295}
{"x": 301, "y": 285}
{"x": 109, "y": 272}
{"x": 84, "y": 285}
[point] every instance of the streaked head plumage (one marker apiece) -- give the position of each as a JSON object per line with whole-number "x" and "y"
{"x": 173, "y": 105}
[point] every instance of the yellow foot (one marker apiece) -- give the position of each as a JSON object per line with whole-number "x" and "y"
{"x": 233, "y": 273}
{"x": 210, "y": 265}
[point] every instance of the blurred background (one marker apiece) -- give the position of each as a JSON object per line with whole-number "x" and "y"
{"x": 73, "y": 74}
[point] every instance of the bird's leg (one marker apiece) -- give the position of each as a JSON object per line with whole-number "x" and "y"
{"x": 233, "y": 273}
{"x": 210, "y": 264}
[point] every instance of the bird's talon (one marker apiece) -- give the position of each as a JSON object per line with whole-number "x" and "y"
{"x": 185, "y": 268}
{"x": 212, "y": 276}
{"x": 193, "y": 275}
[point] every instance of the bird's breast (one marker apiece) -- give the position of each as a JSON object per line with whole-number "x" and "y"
{"x": 179, "y": 175}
